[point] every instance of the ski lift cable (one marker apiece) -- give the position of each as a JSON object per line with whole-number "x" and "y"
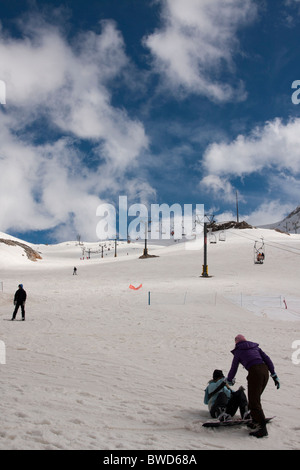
{"x": 269, "y": 244}
{"x": 288, "y": 248}
{"x": 281, "y": 245}
{"x": 273, "y": 246}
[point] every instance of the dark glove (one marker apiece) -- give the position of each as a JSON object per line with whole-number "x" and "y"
{"x": 276, "y": 380}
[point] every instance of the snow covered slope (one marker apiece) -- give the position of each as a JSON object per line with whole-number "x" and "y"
{"x": 94, "y": 366}
{"x": 290, "y": 224}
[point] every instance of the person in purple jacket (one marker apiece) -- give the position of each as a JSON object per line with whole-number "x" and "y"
{"x": 258, "y": 365}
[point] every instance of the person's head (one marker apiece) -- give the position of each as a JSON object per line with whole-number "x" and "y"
{"x": 20, "y": 286}
{"x": 217, "y": 374}
{"x": 239, "y": 338}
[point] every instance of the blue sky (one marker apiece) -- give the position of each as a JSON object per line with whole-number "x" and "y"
{"x": 164, "y": 101}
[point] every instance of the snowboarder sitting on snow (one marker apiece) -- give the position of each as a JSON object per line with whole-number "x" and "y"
{"x": 221, "y": 400}
{"x": 258, "y": 365}
{"x": 19, "y": 301}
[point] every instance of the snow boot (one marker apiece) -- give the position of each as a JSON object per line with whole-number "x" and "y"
{"x": 224, "y": 416}
{"x": 261, "y": 431}
{"x": 252, "y": 425}
{"x": 218, "y": 411}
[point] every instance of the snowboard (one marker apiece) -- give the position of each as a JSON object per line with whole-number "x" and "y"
{"x": 215, "y": 423}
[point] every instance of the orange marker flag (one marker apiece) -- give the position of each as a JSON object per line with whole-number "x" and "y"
{"x": 135, "y": 288}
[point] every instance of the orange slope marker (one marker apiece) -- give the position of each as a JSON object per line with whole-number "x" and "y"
{"x": 135, "y": 288}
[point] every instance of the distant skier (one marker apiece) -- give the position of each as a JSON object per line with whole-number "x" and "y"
{"x": 222, "y": 401}
{"x": 19, "y": 301}
{"x": 74, "y": 271}
{"x": 258, "y": 365}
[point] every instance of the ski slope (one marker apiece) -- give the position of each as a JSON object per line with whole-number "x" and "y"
{"x": 95, "y": 366}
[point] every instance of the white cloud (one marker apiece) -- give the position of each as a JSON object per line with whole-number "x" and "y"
{"x": 273, "y": 146}
{"x": 220, "y": 187}
{"x": 271, "y": 151}
{"x": 66, "y": 85}
{"x": 196, "y": 44}
{"x": 70, "y": 84}
{"x": 268, "y": 212}
{"x": 41, "y": 187}
{"x": 225, "y": 217}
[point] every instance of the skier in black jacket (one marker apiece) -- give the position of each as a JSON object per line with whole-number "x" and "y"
{"x": 19, "y": 301}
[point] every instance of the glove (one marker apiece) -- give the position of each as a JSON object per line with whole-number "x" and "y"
{"x": 276, "y": 380}
{"x": 231, "y": 382}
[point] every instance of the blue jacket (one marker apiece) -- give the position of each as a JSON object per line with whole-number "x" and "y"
{"x": 212, "y": 385}
{"x": 248, "y": 354}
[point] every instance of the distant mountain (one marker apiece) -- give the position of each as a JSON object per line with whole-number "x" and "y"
{"x": 290, "y": 224}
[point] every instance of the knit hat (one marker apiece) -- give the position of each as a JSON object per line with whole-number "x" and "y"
{"x": 239, "y": 338}
{"x": 217, "y": 374}
{"x": 21, "y": 285}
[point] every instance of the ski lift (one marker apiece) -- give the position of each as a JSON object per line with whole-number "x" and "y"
{"x": 212, "y": 238}
{"x": 222, "y": 236}
{"x": 259, "y": 252}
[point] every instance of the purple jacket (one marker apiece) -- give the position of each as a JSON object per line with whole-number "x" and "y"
{"x": 248, "y": 354}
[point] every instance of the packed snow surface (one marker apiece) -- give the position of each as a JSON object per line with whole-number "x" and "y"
{"x": 99, "y": 365}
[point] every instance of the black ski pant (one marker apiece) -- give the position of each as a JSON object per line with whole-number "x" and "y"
{"x": 238, "y": 400}
{"x": 258, "y": 376}
{"x": 17, "y": 308}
